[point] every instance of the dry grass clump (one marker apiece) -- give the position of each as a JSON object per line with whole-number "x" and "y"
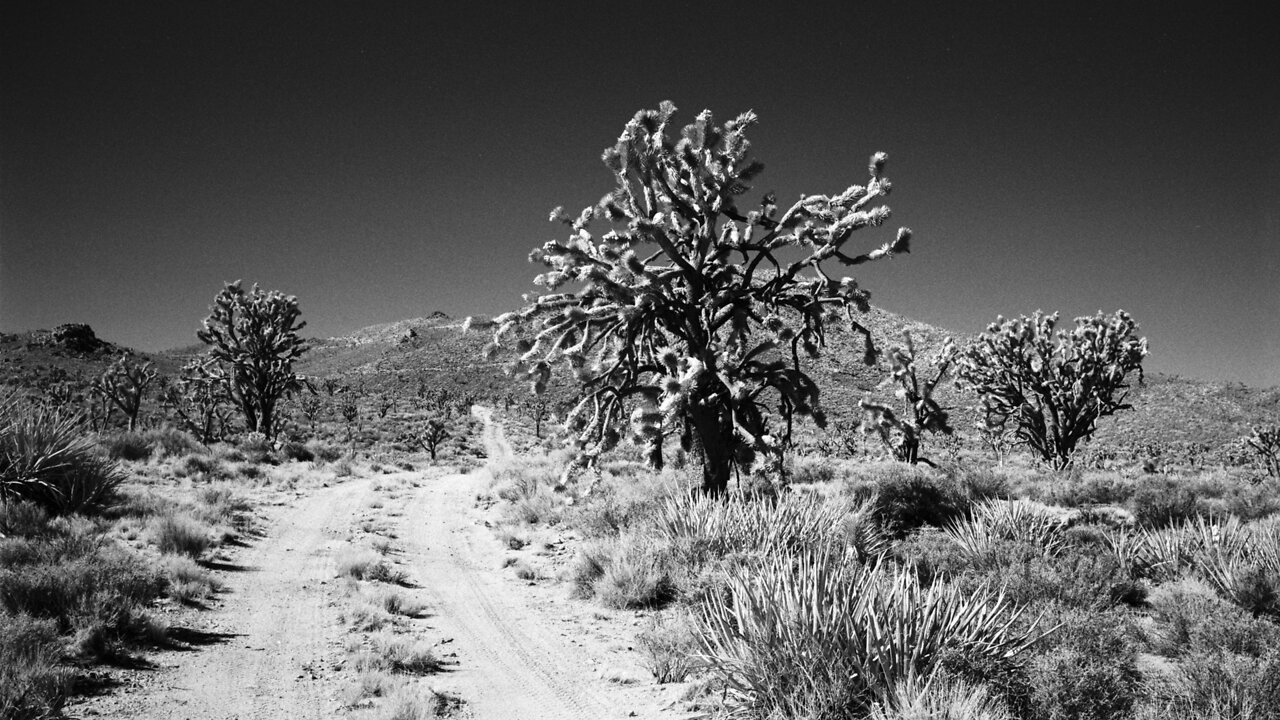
{"x": 396, "y": 602}
{"x": 640, "y": 573}
{"x": 391, "y": 653}
{"x": 33, "y": 685}
{"x": 367, "y": 564}
{"x": 669, "y": 648}
{"x": 181, "y": 535}
{"x": 186, "y": 581}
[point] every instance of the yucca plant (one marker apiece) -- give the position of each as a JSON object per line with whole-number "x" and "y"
{"x": 46, "y": 458}
{"x": 812, "y": 632}
{"x": 786, "y": 523}
{"x": 1017, "y": 520}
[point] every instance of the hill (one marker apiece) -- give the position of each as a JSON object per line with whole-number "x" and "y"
{"x": 1173, "y": 417}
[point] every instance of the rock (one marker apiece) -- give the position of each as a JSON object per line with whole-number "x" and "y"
{"x": 76, "y": 337}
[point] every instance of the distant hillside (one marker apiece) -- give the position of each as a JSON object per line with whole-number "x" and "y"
{"x": 395, "y": 358}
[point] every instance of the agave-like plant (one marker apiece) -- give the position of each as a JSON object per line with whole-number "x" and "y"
{"x": 994, "y": 521}
{"x": 797, "y": 628}
{"x": 786, "y": 523}
{"x": 46, "y": 458}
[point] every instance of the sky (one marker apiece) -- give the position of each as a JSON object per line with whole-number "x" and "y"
{"x": 382, "y": 160}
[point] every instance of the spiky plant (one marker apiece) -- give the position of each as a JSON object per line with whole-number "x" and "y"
{"x": 46, "y": 458}
{"x": 798, "y": 630}
{"x": 1008, "y": 520}
{"x": 786, "y": 524}
{"x": 1053, "y": 385}
{"x": 687, "y": 309}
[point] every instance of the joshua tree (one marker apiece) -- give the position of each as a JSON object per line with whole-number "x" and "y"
{"x": 200, "y": 401}
{"x": 687, "y": 308}
{"x": 1053, "y": 385}
{"x": 1265, "y": 442}
{"x": 124, "y": 383}
{"x": 902, "y": 434}
{"x": 253, "y": 339}
{"x": 429, "y": 435}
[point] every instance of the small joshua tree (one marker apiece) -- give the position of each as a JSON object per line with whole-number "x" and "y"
{"x": 429, "y": 435}
{"x": 253, "y": 339}
{"x": 1053, "y": 385}
{"x": 688, "y": 311}
{"x": 1265, "y": 443}
{"x": 200, "y": 401}
{"x": 124, "y": 383}
{"x": 902, "y": 433}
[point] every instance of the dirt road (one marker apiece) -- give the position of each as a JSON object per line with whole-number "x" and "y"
{"x": 273, "y": 649}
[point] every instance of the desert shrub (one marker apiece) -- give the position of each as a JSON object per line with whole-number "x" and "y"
{"x": 1005, "y": 679}
{"x": 46, "y": 459}
{"x": 518, "y": 477}
{"x": 297, "y": 451}
{"x": 589, "y": 566}
{"x": 77, "y": 583}
{"x": 202, "y": 467}
{"x": 538, "y": 507}
{"x": 931, "y": 554}
{"x": 806, "y": 470}
{"x": 22, "y": 519}
{"x": 1087, "y": 668}
{"x": 640, "y": 574}
{"x": 186, "y": 581}
{"x": 170, "y": 441}
{"x": 805, "y": 635}
{"x": 668, "y": 649}
{"x": 368, "y": 565}
{"x": 220, "y": 503}
{"x": 257, "y": 448}
{"x": 1163, "y": 504}
{"x": 1189, "y": 616}
{"x": 181, "y": 535}
{"x": 1087, "y": 489}
{"x": 399, "y": 655}
{"x": 396, "y": 603}
{"x": 909, "y": 496}
{"x": 323, "y": 452}
{"x": 32, "y": 684}
{"x": 130, "y": 445}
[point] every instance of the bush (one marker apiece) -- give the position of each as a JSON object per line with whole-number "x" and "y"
{"x": 1190, "y": 617}
{"x": 1164, "y": 504}
{"x": 22, "y": 519}
{"x": 32, "y": 685}
{"x": 171, "y": 442}
{"x": 639, "y": 574}
{"x": 45, "y": 459}
{"x": 297, "y": 451}
{"x": 131, "y": 446}
{"x": 76, "y": 584}
{"x": 181, "y": 535}
{"x": 908, "y": 497}
{"x": 323, "y": 452}
{"x": 368, "y": 565}
{"x": 668, "y": 649}
{"x": 1086, "y": 669}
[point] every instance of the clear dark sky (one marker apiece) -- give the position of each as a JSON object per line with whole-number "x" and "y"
{"x": 381, "y": 161}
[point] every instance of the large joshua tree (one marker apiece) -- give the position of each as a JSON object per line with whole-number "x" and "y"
{"x": 687, "y": 310}
{"x": 253, "y": 339}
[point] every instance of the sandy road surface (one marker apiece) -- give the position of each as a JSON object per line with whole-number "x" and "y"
{"x": 513, "y": 662}
{"x": 272, "y": 650}
{"x": 269, "y": 651}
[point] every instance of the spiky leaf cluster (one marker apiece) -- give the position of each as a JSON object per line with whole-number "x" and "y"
{"x": 685, "y": 300}
{"x": 902, "y": 433}
{"x": 253, "y": 339}
{"x": 1053, "y": 384}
